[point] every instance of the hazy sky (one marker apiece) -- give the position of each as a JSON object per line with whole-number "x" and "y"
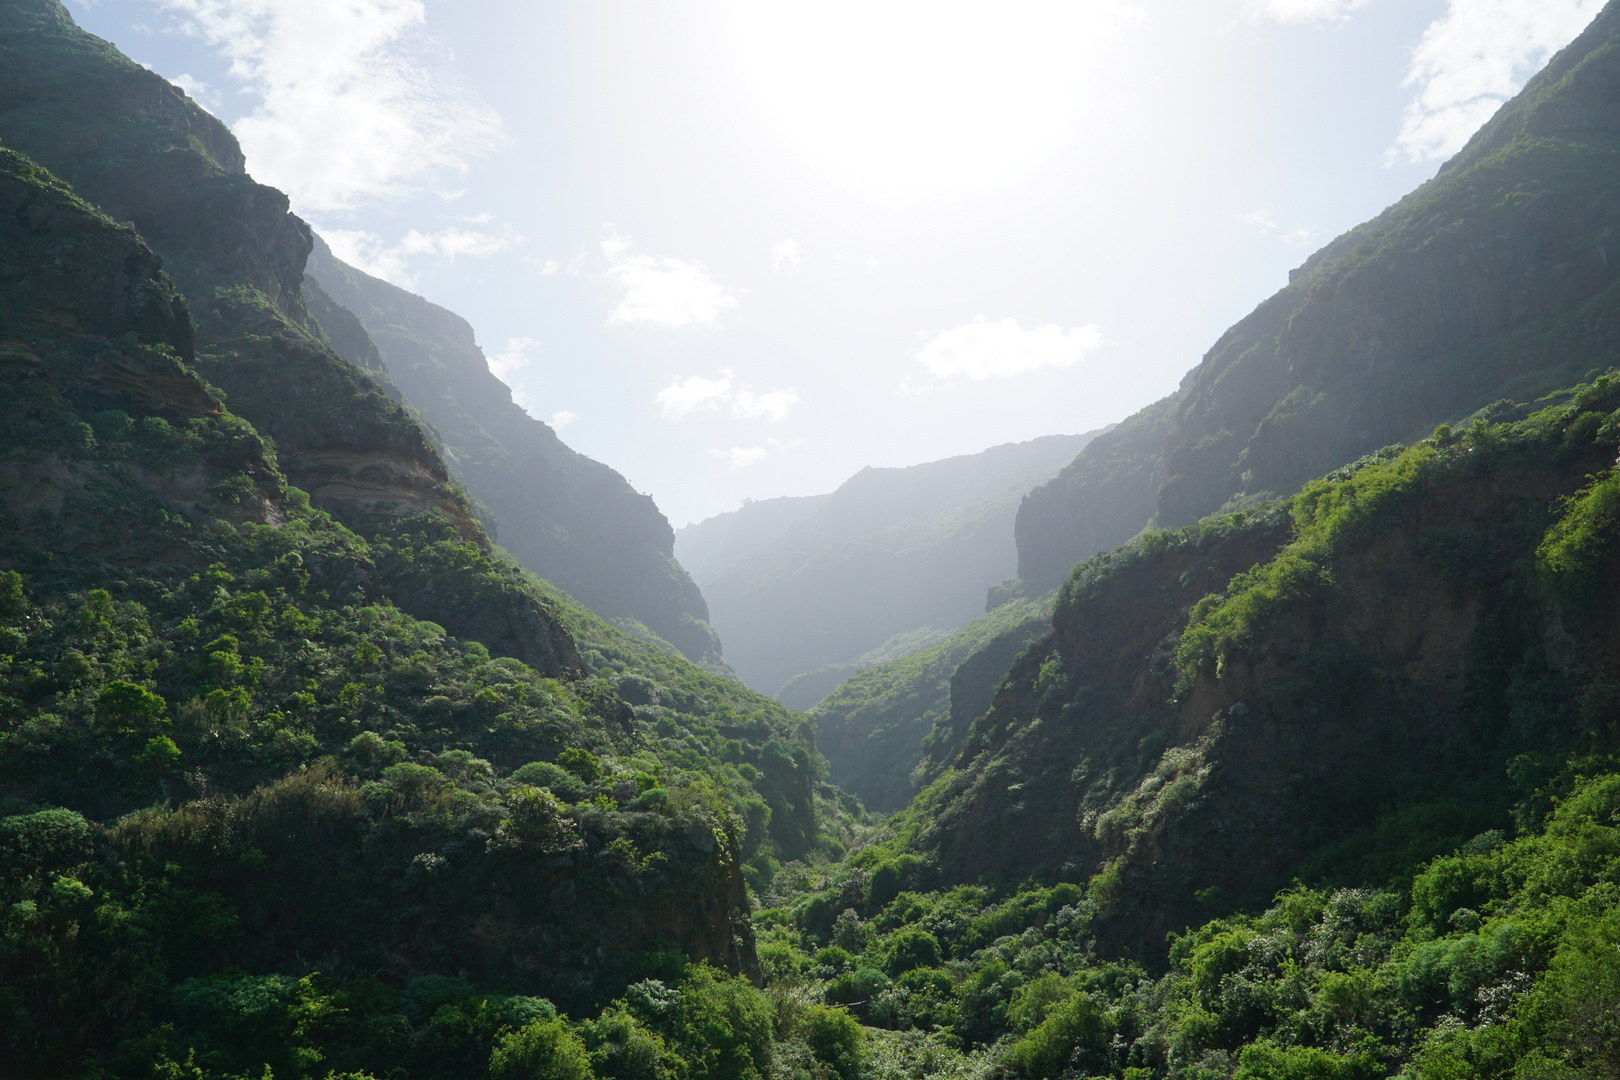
{"x": 743, "y": 249}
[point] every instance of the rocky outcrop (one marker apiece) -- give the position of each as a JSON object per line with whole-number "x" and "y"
{"x": 1492, "y": 280}
{"x": 572, "y": 520}
{"x": 142, "y": 152}
{"x": 1410, "y": 667}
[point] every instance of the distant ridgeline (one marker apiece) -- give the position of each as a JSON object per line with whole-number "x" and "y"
{"x": 822, "y": 586}
{"x": 1495, "y": 279}
{"x": 282, "y": 733}
{"x": 570, "y": 519}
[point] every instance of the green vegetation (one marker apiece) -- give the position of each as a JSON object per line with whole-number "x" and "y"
{"x": 889, "y": 730}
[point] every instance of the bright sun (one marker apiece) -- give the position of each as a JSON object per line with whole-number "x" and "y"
{"x": 916, "y": 97}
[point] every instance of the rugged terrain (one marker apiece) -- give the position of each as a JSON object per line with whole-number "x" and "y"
{"x": 573, "y": 521}
{"x": 1492, "y": 280}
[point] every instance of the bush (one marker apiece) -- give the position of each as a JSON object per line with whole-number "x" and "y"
{"x": 127, "y": 708}
{"x": 1263, "y": 1061}
{"x": 48, "y": 839}
{"x": 543, "y": 774}
{"x": 911, "y": 947}
{"x": 1072, "y": 1033}
{"x": 582, "y": 763}
{"x": 836, "y": 1040}
{"x": 542, "y": 1050}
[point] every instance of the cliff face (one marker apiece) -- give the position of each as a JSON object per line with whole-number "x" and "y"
{"x": 572, "y": 520}
{"x": 1492, "y": 280}
{"x": 890, "y": 552}
{"x": 1226, "y": 707}
{"x": 141, "y": 151}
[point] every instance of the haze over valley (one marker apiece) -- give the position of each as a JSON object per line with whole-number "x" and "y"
{"x": 786, "y": 541}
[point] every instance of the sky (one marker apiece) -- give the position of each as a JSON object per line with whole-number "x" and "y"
{"x": 744, "y": 248}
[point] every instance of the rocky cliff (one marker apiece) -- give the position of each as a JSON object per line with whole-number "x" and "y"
{"x": 142, "y": 152}
{"x": 1492, "y": 280}
{"x": 1408, "y": 649}
{"x": 572, "y": 520}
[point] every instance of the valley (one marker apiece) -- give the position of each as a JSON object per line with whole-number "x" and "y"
{"x": 353, "y": 726}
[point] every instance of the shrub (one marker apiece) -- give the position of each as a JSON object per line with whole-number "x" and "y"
{"x": 911, "y": 947}
{"x": 542, "y": 1050}
{"x": 1264, "y": 1061}
{"x": 127, "y": 708}
{"x": 543, "y": 774}
{"x": 1071, "y": 1034}
{"x": 582, "y": 763}
{"x": 835, "y": 1039}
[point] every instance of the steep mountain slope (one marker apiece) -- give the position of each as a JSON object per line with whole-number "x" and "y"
{"x": 1422, "y": 638}
{"x": 889, "y": 729}
{"x": 709, "y": 546}
{"x": 573, "y": 521}
{"x": 1492, "y": 280}
{"x": 227, "y": 760}
{"x": 891, "y": 551}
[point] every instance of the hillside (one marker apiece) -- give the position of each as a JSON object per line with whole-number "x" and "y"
{"x": 573, "y": 521}
{"x": 889, "y": 728}
{"x": 813, "y": 583}
{"x": 1492, "y": 280}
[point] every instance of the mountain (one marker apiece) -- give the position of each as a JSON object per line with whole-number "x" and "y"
{"x": 1254, "y": 696}
{"x": 799, "y": 585}
{"x": 572, "y": 520}
{"x": 891, "y": 726}
{"x": 1493, "y": 280}
{"x": 299, "y": 773}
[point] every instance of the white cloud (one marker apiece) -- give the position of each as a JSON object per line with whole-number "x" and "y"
{"x": 785, "y": 257}
{"x": 654, "y": 291}
{"x": 512, "y": 358}
{"x": 371, "y": 253}
{"x": 1305, "y": 11}
{"x": 198, "y": 91}
{"x": 979, "y": 351}
{"x": 1262, "y": 220}
{"x": 563, "y": 419}
{"x": 1473, "y": 59}
{"x": 547, "y": 267}
{"x": 683, "y": 397}
{"x": 741, "y": 457}
{"x": 355, "y": 100}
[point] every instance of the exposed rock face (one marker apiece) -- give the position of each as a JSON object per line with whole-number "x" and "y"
{"x": 141, "y": 151}
{"x": 1494, "y": 279}
{"x": 572, "y": 520}
{"x": 1423, "y": 674}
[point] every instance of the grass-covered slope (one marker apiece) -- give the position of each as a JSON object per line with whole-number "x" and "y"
{"x": 572, "y": 520}
{"x": 888, "y": 730}
{"x": 1492, "y": 280}
{"x": 892, "y": 551}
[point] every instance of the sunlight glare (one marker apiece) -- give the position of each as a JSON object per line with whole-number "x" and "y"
{"x": 915, "y": 97}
